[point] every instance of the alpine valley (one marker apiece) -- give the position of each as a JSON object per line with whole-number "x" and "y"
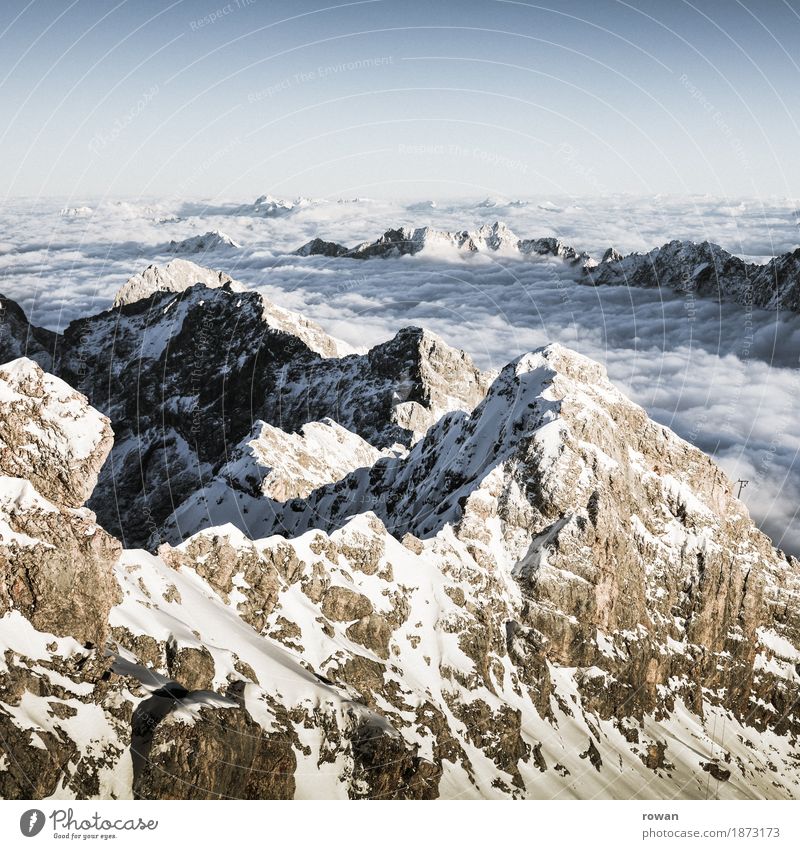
{"x": 241, "y": 559}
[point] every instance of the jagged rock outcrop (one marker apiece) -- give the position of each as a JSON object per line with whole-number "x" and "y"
{"x": 220, "y": 752}
{"x": 271, "y": 465}
{"x": 281, "y": 465}
{"x": 389, "y": 396}
{"x": 393, "y": 393}
{"x": 55, "y": 562}
{"x": 76, "y": 211}
{"x": 180, "y": 274}
{"x": 20, "y": 338}
{"x": 706, "y": 270}
{"x": 57, "y": 588}
{"x": 165, "y": 369}
{"x": 63, "y": 722}
{"x": 319, "y": 247}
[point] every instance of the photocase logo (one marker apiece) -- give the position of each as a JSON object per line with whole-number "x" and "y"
{"x": 31, "y": 822}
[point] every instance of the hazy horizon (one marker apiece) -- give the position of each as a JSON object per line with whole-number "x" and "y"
{"x": 459, "y": 100}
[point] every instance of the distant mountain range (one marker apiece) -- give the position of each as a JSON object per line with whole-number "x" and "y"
{"x": 704, "y": 269}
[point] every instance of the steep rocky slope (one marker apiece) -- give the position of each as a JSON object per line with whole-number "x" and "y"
{"x": 56, "y": 561}
{"x": 270, "y": 466}
{"x": 56, "y": 586}
{"x": 630, "y": 553}
{"x": 94, "y": 638}
{"x": 549, "y": 597}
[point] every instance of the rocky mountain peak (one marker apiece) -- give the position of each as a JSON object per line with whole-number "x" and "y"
{"x": 184, "y": 370}
{"x": 321, "y": 247}
{"x": 214, "y": 240}
{"x": 176, "y": 276}
{"x": 494, "y": 237}
{"x": 180, "y": 275}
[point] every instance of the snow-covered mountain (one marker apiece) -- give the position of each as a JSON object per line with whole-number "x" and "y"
{"x": 387, "y": 575}
{"x": 706, "y": 269}
{"x": 88, "y": 708}
{"x": 207, "y": 243}
{"x": 269, "y": 206}
{"x": 176, "y": 276}
{"x": 185, "y": 370}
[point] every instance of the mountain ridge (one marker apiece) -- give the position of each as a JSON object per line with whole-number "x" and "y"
{"x": 702, "y": 268}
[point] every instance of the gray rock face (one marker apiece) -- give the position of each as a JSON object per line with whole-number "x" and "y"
{"x": 223, "y": 754}
{"x": 56, "y": 566}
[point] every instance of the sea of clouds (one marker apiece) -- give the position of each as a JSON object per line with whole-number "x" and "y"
{"x": 724, "y": 377}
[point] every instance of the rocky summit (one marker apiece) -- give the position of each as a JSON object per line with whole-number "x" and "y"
{"x": 377, "y": 575}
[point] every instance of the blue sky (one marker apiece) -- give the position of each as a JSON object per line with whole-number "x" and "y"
{"x": 419, "y": 99}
